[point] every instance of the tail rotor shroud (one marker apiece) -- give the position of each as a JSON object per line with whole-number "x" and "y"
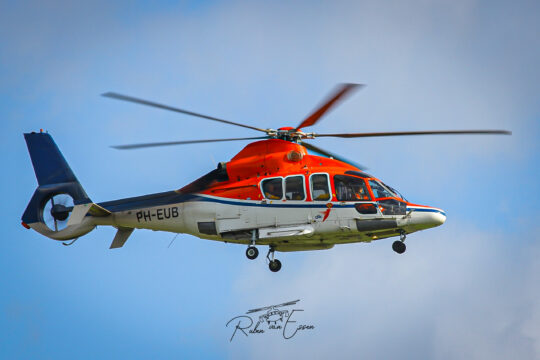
{"x": 56, "y": 211}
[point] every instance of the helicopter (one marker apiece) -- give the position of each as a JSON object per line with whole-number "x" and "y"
{"x": 272, "y": 193}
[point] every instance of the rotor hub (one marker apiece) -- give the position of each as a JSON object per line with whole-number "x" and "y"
{"x": 60, "y": 212}
{"x": 289, "y": 133}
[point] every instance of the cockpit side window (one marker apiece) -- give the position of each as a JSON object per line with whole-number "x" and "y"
{"x": 272, "y": 188}
{"x": 319, "y": 187}
{"x": 349, "y": 188}
{"x": 294, "y": 188}
{"x": 379, "y": 191}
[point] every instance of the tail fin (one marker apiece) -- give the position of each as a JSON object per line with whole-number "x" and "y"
{"x": 49, "y": 163}
{"x": 55, "y": 178}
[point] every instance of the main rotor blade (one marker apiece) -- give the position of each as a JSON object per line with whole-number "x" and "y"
{"x": 168, "y": 143}
{"x": 116, "y": 96}
{"x": 331, "y": 155}
{"x": 402, "y": 133}
{"x": 338, "y": 94}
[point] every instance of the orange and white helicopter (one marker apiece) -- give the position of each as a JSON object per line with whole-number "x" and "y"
{"x": 272, "y": 193}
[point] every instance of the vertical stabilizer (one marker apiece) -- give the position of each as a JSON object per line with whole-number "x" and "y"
{"x": 58, "y": 195}
{"x": 49, "y": 163}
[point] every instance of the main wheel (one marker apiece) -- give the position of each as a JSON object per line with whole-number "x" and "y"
{"x": 274, "y": 265}
{"x": 252, "y": 252}
{"x": 399, "y": 247}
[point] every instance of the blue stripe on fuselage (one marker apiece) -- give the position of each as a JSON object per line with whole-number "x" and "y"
{"x": 172, "y": 197}
{"x": 427, "y": 210}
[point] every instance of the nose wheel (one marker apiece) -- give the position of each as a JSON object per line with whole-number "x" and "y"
{"x": 273, "y": 264}
{"x": 399, "y": 245}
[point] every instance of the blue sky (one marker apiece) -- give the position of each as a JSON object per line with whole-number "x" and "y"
{"x": 468, "y": 289}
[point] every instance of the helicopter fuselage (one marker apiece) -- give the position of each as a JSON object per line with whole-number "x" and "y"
{"x": 312, "y": 210}
{"x": 288, "y": 226}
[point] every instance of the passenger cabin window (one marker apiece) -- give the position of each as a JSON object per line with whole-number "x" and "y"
{"x": 319, "y": 187}
{"x": 294, "y": 188}
{"x": 349, "y": 188}
{"x": 273, "y": 188}
{"x": 379, "y": 191}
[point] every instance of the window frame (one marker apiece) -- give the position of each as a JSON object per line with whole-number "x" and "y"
{"x": 282, "y": 188}
{"x": 285, "y": 187}
{"x": 365, "y": 187}
{"x": 329, "y": 187}
{"x": 377, "y": 198}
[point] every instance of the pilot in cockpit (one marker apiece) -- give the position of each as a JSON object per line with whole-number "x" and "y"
{"x": 361, "y": 194}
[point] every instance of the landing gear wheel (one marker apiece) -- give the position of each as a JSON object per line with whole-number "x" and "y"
{"x": 274, "y": 265}
{"x": 399, "y": 247}
{"x": 252, "y": 253}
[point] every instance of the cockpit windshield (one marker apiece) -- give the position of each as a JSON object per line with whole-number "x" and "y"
{"x": 379, "y": 191}
{"x": 384, "y": 194}
{"x": 398, "y": 194}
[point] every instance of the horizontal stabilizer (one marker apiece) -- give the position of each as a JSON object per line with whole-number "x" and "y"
{"x": 78, "y": 214}
{"x": 121, "y": 237}
{"x": 98, "y": 211}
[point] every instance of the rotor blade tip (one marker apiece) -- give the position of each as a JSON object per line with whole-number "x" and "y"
{"x": 353, "y": 85}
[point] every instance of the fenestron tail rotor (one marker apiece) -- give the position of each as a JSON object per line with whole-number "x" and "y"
{"x": 56, "y": 211}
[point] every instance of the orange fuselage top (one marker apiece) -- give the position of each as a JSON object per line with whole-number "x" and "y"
{"x": 266, "y": 159}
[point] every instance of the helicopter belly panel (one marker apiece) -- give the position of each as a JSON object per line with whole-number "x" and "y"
{"x": 268, "y": 215}
{"x": 331, "y": 218}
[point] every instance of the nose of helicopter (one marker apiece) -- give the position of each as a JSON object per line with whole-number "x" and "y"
{"x": 436, "y": 218}
{"x": 424, "y": 217}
